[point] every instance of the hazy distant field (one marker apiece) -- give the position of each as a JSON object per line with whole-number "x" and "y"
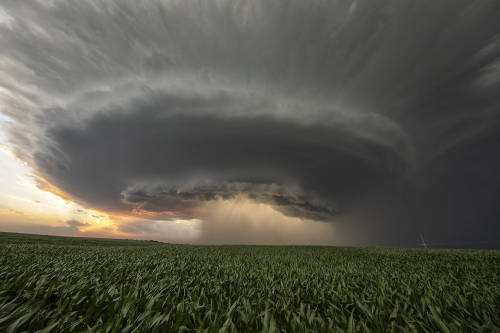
{"x": 74, "y": 285}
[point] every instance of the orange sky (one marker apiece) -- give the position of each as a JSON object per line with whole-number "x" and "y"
{"x": 30, "y": 204}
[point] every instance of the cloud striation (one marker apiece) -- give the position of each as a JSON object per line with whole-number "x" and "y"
{"x": 380, "y": 118}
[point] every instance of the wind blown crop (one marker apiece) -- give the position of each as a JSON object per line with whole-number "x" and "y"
{"x": 69, "y": 285}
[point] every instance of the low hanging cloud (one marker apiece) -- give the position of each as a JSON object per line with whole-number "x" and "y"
{"x": 74, "y": 224}
{"x": 185, "y": 202}
{"x": 69, "y": 228}
{"x": 380, "y": 118}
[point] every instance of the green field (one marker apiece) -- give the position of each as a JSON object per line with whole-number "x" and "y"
{"x": 98, "y": 285}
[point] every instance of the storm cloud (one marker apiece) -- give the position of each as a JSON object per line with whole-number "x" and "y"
{"x": 161, "y": 151}
{"x": 381, "y": 118}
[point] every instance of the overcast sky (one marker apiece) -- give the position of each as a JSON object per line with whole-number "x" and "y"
{"x": 276, "y": 122}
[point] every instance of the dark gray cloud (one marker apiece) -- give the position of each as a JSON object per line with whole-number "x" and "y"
{"x": 211, "y": 155}
{"x": 74, "y": 224}
{"x": 382, "y": 117}
{"x": 183, "y": 202}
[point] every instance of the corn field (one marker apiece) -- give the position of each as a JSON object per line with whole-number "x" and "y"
{"x": 69, "y": 285}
